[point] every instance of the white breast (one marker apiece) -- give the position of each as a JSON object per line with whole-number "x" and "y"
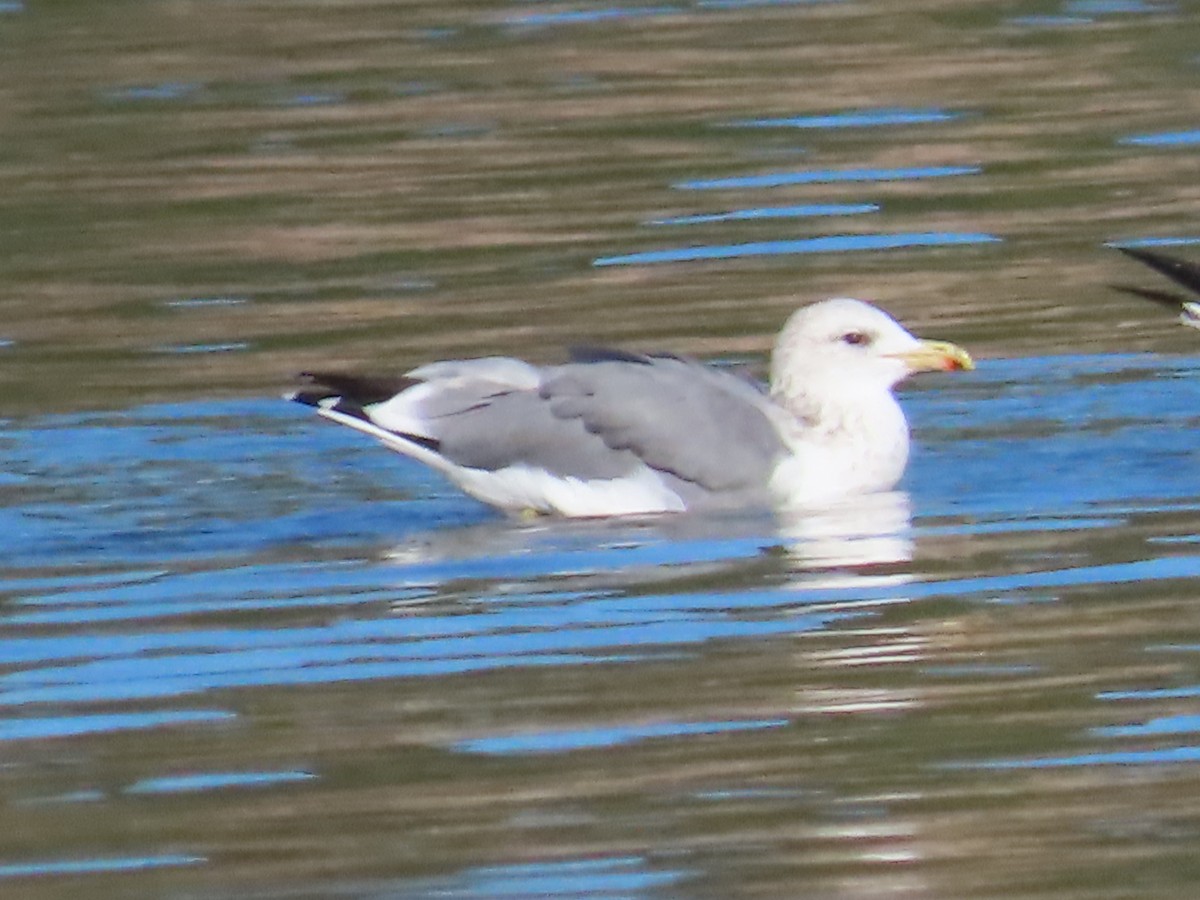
{"x": 864, "y": 450}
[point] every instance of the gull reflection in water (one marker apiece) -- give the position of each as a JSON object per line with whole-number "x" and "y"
{"x": 858, "y": 541}
{"x": 869, "y": 529}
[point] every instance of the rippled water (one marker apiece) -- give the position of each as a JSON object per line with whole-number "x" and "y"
{"x": 244, "y": 653}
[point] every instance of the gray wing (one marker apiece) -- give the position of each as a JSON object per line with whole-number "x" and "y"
{"x": 603, "y": 417}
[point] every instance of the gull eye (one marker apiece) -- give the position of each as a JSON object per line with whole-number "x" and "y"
{"x": 856, "y": 338}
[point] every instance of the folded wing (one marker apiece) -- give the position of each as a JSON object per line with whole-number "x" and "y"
{"x": 604, "y": 415}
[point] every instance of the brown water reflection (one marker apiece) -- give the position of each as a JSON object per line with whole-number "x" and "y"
{"x": 389, "y": 182}
{"x": 200, "y": 197}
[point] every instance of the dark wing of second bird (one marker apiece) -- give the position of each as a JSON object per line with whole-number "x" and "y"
{"x": 1184, "y": 273}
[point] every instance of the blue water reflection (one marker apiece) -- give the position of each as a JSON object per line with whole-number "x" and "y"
{"x": 826, "y": 176}
{"x": 1164, "y": 139}
{"x": 1157, "y": 242}
{"x": 591, "y": 15}
{"x": 742, "y": 4}
{"x": 1112, "y": 7}
{"x": 612, "y": 736}
{"x": 571, "y": 634}
{"x": 573, "y": 879}
{"x": 215, "y": 781}
{"x": 187, "y": 349}
{"x": 1185, "y": 692}
{"x": 838, "y": 243}
{"x": 1155, "y": 757}
{"x": 98, "y": 865}
{"x": 862, "y": 118}
{"x": 772, "y": 212}
{"x": 588, "y": 16}
{"x": 203, "y": 302}
{"x": 33, "y": 728}
{"x": 1085, "y": 12}
{"x": 1181, "y": 724}
{"x": 69, "y": 797}
{"x": 1050, "y": 21}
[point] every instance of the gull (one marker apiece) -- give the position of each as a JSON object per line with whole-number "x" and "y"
{"x": 613, "y": 433}
{"x": 1184, "y": 273}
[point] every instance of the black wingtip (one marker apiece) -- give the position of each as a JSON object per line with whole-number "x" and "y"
{"x": 351, "y": 394}
{"x": 1184, "y": 273}
{"x": 307, "y": 398}
{"x": 362, "y": 390}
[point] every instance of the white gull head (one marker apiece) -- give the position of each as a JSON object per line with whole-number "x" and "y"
{"x": 833, "y": 370}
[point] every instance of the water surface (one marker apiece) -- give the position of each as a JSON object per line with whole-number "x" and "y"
{"x": 244, "y": 653}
